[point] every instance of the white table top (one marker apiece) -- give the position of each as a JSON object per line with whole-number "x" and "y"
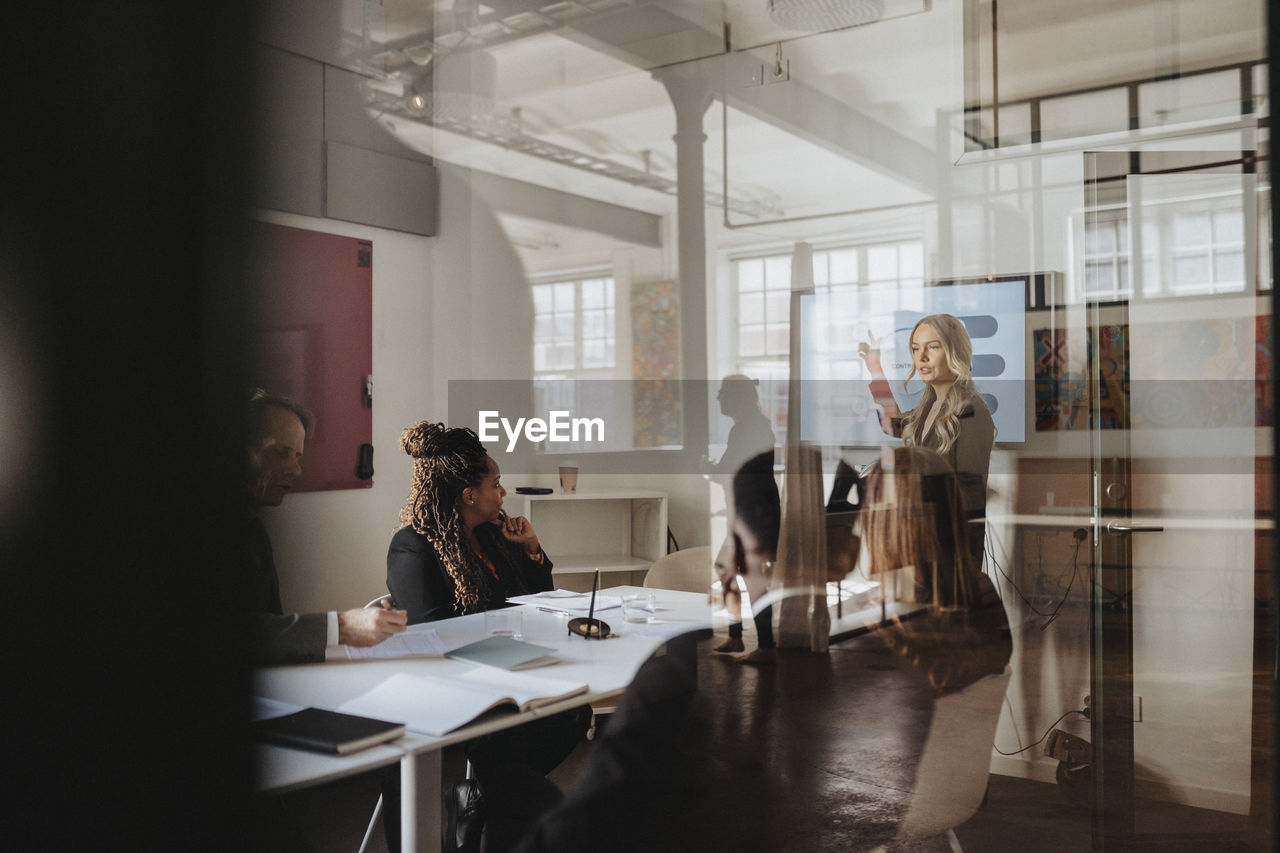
{"x": 607, "y": 666}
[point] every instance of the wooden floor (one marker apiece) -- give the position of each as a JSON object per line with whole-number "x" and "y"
{"x": 1019, "y": 816}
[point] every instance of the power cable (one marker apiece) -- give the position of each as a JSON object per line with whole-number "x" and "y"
{"x": 1040, "y": 740}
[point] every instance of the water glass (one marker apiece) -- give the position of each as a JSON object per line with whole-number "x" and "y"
{"x": 504, "y": 622}
{"x": 638, "y": 607}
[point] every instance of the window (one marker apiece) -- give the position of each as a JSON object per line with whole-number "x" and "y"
{"x": 761, "y": 326}
{"x": 1190, "y": 246}
{"x": 573, "y": 327}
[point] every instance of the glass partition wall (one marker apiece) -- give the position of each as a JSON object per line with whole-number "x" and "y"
{"x": 659, "y": 178}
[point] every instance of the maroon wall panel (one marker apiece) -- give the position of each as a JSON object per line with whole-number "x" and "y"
{"x": 314, "y": 342}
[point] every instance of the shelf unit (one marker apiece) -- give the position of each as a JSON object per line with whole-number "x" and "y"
{"x": 618, "y": 531}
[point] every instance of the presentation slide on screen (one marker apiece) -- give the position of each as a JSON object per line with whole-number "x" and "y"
{"x": 836, "y": 403}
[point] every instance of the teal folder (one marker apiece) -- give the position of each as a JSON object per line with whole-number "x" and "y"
{"x": 504, "y": 653}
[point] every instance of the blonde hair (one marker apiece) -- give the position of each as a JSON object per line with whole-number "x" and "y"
{"x": 914, "y": 515}
{"x": 959, "y": 355}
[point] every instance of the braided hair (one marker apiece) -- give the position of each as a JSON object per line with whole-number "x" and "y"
{"x": 446, "y": 461}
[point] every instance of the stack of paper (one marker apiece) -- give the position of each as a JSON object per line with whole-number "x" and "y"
{"x": 567, "y": 601}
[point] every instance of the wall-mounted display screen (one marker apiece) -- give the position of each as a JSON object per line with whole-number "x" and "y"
{"x": 836, "y": 402}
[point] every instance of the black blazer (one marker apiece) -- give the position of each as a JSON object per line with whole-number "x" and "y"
{"x": 420, "y": 584}
{"x": 271, "y": 635}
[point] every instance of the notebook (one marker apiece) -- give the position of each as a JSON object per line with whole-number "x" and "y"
{"x": 326, "y": 731}
{"x": 504, "y": 653}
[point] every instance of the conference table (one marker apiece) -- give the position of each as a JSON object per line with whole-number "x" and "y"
{"x": 605, "y": 666}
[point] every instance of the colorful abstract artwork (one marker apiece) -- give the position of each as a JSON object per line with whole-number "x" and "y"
{"x": 1186, "y": 374}
{"x": 1111, "y": 349}
{"x": 1196, "y": 374}
{"x": 655, "y": 364}
{"x": 1061, "y": 401}
{"x": 1263, "y": 372}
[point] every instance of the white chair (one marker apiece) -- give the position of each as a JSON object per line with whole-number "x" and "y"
{"x": 955, "y": 765}
{"x": 688, "y": 570}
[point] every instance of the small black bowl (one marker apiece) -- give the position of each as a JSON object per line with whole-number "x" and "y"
{"x": 591, "y": 629}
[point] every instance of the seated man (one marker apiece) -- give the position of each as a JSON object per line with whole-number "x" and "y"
{"x": 277, "y": 428}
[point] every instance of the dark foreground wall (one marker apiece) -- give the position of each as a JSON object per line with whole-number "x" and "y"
{"x": 120, "y": 325}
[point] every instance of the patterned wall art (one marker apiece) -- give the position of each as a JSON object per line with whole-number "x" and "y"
{"x": 1263, "y": 371}
{"x": 1061, "y": 398}
{"x": 655, "y": 364}
{"x": 1196, "y": 374}
{"x": 1062, "y": 377}
{"x": 1193, "y": 374}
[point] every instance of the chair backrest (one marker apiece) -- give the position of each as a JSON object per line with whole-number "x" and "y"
{"x": 952, "y": 777}
{"x": 689, "y": 570}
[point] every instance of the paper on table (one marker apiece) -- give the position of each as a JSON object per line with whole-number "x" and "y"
{"x": 661, "y": 630}
{"x": 579, "y": 603}
{"x": 414, "y": 640}
{"x": 436, "y": 706}
{"x": 559, "y": 593}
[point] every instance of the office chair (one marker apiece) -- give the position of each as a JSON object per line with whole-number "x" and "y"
{"x": 951, "y": 780}
{"x": 688, "y": 570}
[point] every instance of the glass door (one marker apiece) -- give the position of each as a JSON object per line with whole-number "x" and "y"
{"x": 1181, "y": 445}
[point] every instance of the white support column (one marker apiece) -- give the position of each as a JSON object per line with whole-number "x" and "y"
{"x": 690, "y": 89}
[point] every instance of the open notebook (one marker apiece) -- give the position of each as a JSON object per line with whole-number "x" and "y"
{"x": 438, "y": 705}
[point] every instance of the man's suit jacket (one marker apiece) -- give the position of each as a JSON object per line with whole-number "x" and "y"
{"x": 273, "y": 636}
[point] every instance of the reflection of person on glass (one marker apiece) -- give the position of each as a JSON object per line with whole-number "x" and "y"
{"x": 754, "y": 536}
{"x": 750, "y": 436}
{"x": 701, "y": 756}
{"x": 951, "y": 417}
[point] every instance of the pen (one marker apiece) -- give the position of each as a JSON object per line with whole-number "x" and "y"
{"x": 553, "y": 610}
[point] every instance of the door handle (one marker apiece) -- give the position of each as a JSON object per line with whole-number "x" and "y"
{"x": 1114, "y": 526}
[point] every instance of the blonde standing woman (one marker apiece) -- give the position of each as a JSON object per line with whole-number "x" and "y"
{"x": 951, "y": 418}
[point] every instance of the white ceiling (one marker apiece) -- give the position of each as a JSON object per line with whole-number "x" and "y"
{"x": 582, "y": 76}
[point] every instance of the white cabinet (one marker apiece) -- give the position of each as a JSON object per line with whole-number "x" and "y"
{"x": 619, "y": 531}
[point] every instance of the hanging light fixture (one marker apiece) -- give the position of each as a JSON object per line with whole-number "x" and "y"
{"x": 822, "y": 15}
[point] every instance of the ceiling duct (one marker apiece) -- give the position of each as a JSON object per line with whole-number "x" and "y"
{"x": 823, "y": 15}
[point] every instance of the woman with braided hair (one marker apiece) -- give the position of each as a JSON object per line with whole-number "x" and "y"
{"x": 457, "y": 553}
